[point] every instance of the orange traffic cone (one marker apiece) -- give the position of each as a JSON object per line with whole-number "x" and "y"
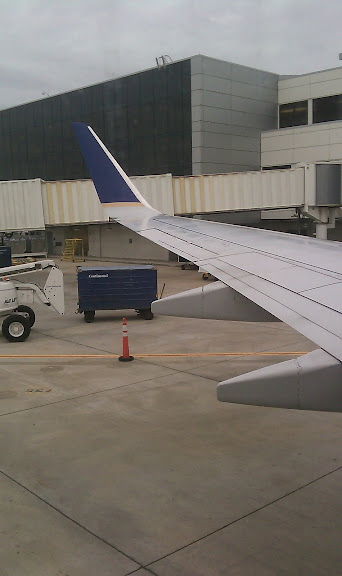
{"x": 125, "y": 348}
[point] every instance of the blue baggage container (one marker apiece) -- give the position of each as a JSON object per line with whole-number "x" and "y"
{"x": 116, "y": 288}
{"x": 5, "y": 256}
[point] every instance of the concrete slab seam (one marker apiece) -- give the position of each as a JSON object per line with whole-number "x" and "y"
{"x": 267, "y": 505}
{"x": 146, "y": 568}
{"x": 176, "y": 355}
{"x": 175, "y": 370}
{"x": 70, "y": 519}
{"x": 92, "y": 394}
{"x": 300, "y": 353}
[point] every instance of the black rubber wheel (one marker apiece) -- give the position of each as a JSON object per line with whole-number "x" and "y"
{"x": 16, "y": 328}
{"x": 29, "y": 311}
{"x": 146, "y": 314}
{"x": 89, "y": 316}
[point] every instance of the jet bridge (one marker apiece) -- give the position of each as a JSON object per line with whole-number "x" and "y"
{"x": 314, "y": 190}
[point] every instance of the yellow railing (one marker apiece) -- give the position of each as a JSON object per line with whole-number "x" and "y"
{"x": 73, "y": 250}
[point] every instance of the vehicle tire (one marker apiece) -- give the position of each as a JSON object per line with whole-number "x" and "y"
{"x": 16, "y": 328}
{"x": 89, "y": 316}
{"x": 146, "y": 314}
{"x": 29, "y": 311}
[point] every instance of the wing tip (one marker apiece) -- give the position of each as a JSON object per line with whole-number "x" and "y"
{"x": 111, "y": 182}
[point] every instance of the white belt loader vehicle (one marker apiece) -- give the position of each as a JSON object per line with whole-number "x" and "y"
{"x": 16, "y": 294}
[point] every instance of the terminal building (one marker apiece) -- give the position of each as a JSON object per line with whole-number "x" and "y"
{"x": 310, "y": 121}
{"x": 198, "y": 116}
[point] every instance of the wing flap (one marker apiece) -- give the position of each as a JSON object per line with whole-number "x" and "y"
{"x": 321, "y": 255}
{"x": 178, "y": 245}
{"x": 326, "y": 295}
{"x": 278, "y": 306}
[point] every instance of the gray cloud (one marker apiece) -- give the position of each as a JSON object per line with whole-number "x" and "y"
{"x": 61, "y": 45}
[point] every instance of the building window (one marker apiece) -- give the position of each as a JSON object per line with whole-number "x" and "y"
{"x": 293, "y": 114}
{"x": 327, "y": 109}
{"x": 279, "y": 167}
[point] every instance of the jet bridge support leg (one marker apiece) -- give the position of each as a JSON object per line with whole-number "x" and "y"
{"x": 324, "y": 218}
{"x": 321, "y": 231}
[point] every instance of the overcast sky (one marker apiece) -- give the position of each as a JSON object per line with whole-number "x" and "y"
{"x": 53, "y": 46}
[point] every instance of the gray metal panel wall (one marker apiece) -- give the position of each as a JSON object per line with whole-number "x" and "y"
{"x": 328, "y": 184}
{"x": 231, "y": 105}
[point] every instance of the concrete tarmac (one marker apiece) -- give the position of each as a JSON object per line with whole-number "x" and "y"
{"x": 114, "y": 469}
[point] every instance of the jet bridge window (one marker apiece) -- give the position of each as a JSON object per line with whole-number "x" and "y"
{"x": 327, "y": 109}
{"x": 293, "y": 114}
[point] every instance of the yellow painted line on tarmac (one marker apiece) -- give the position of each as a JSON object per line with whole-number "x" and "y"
{"x": 186, "y": 355}
{"x": 203, "y": 354}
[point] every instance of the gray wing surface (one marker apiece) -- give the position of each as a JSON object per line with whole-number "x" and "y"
{"x": 297, "y": 279}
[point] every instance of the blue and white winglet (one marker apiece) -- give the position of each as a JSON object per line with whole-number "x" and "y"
{"x": 263, "y": 276}
{"x": 115, "y": 190}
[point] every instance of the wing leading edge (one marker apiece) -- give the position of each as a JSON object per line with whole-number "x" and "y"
{"x": 295, "y": 279}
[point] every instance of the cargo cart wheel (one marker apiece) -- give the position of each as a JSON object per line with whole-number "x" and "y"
{"x": 89, "y": 316}
{"x": 146, "y": 314}
{"x": 16, "y": 328}
{"x": 29, "y": 311}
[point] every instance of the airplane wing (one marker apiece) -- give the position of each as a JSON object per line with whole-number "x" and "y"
{"x": 263, "y": 276}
